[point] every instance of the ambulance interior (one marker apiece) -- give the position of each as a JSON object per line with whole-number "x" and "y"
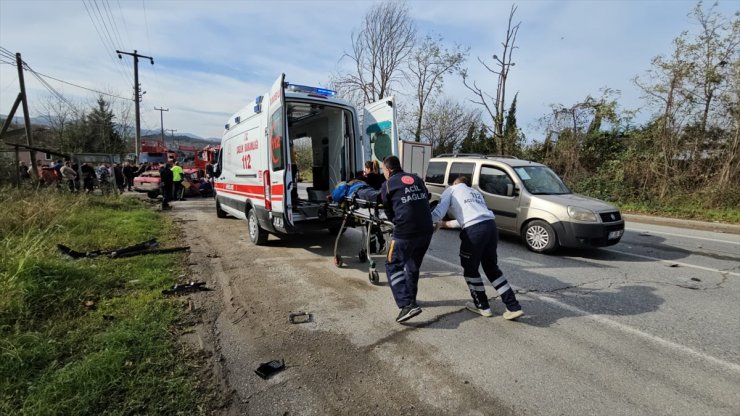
{"x": 318, "y": 135}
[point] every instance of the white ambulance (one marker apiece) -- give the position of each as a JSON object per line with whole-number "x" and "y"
{"x": 256, "y": 173}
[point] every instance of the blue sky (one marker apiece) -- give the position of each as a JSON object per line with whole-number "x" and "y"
{"x": 213, "y": 57}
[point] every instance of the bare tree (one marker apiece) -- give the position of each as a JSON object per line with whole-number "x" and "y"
{"x": 379, "y": 52}
{"x": 496, "y": 106}
{"x": 447, "y": 124}
{"x": 427, "y": 66}
{"x": 59, "y": 114}
{"x": 694, "y": 94}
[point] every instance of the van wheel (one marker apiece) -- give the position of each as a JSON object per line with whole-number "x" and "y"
{"x": 256, "y": 233}
{"x": 540, "y": 237}
{"x": 219, "y": 212}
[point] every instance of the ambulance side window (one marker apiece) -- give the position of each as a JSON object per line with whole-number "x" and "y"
{"x": 277, "y": 142}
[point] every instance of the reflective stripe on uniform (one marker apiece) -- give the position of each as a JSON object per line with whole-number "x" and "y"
{"x": 503, "y": 289}
{"x": 396, "y": 277}
{"x": 390, "y": 250}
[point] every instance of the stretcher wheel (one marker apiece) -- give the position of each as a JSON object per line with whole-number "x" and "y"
{"x": 338, "y": 261}
{"x": 362, "y": 255}
{"x": 374, "y": 277}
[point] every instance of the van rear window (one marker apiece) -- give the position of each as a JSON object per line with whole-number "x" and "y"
{"x": 436, "y": 172}
{"x": 460, "y": 169}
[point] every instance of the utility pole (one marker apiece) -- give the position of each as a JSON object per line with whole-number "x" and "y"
{"x": 172, "y": 134}
{"x": 161, "y": 122}
{"x": 137, "y": 98}
{"x": 26, "y": 116}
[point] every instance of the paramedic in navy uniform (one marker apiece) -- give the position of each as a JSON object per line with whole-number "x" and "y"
{"x": 479, "y": 237}
{"x": 406, "y": 203}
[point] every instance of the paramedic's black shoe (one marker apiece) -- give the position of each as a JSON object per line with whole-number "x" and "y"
{"x": 408, "y": 312}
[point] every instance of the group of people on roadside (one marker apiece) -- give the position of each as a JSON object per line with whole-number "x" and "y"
{"x": 86, "y": 176}
{"x": 405, "y": 200}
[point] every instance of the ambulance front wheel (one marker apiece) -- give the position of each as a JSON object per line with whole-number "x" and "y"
{"x": 256, "y": 234}
{"x": 374, "y": 277}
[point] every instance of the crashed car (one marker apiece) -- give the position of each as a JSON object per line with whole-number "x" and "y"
{"x": 192, "y": 184}
{"x": 148, "y": 182}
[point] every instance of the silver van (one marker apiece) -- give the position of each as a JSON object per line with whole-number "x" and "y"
{"x": 530, "y": 201}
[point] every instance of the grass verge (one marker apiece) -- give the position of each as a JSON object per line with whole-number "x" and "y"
{"x": 90, "y": 336}
{"x": 687, "y": 211}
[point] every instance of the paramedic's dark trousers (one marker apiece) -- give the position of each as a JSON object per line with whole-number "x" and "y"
{"x": 479, "y": 247}
{"x": 402, "y": 267}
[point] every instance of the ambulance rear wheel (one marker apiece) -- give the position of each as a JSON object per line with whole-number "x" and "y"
{"x": 219, "y": 212}
{"x": 374, "y": 277}
{"x": 256, "y": 234}
{"x": 362, "y": 255}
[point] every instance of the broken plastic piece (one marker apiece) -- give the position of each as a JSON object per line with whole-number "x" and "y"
{"x": 265, "y": 370}
{"x": 188, "y": 288}
{"x": 300, "y": 317}
{"x": 121, "y": 252}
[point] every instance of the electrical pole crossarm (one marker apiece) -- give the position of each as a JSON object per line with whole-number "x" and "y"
{"x": 137, "y": 97}
{"x": 135, "y": 55}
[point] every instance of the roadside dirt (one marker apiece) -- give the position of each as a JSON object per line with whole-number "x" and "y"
{"x": 331, "y": 365}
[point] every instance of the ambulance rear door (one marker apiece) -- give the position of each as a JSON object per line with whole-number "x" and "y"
{"x": 379, "y": 130}
{"x": 277, "y": 178}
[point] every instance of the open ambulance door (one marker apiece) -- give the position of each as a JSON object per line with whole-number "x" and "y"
{"x": 277, "y": 179}
{"x": 380, "y": 132}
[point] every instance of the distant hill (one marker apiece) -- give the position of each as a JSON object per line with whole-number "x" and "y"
{"x": 188, "y": 139}
{"x": 185, "y": 139}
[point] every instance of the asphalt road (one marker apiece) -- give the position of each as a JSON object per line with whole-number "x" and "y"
{"x": 650, "y": 326}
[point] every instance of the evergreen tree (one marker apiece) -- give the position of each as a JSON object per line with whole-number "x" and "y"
{"x": 100, "y": 132}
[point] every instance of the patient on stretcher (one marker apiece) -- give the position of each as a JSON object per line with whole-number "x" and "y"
{"x": 357, "y": 189}
{"x": 360, "y": 191}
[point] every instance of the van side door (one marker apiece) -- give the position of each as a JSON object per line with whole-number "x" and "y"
{"x": 277, "y": 178}
{"x": 498, "y": 190}
{"x": 380, "y": 131}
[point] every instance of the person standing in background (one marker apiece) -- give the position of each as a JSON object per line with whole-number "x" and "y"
{"x": 177, "y": 181}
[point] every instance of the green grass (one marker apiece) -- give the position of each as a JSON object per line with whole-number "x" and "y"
{"x": 120, "y": 356}
{"x": 684, "y": 211}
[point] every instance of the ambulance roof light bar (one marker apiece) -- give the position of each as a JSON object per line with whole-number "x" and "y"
{"x": 310, "y": 90}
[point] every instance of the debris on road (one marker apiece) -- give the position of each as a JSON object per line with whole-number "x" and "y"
{"x": 146, "y": 245}
{"x": 265, "y": 370}
{"x": 300, "y": 318}
{"x": 191, "y": 287}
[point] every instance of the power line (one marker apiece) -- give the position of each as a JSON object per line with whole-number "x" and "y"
{"x": 5, "y": 52}
{"x": 118, "y": 65}
{"x": 114, "y": 26}
{"x": 84, "y": 88}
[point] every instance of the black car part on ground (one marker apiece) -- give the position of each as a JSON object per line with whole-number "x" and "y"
{"x": 186, "y": 288}
{"x": 146, "y": 245}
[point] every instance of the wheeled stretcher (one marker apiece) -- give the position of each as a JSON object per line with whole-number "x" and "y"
{"x": 368, "y": 216}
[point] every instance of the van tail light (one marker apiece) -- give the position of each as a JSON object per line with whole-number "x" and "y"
{"x": 268, "y": 191}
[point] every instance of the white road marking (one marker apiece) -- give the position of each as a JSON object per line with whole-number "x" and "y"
{"x": 693, "y": 266}
{"x": 684, "y": 236}
{"x": 616, "y": 325}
